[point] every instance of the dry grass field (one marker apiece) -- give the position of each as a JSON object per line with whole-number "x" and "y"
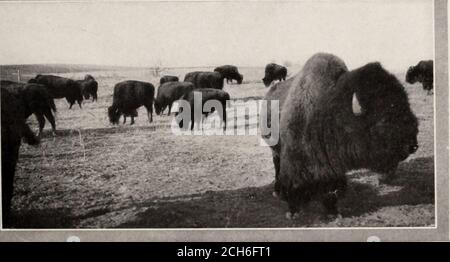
{"x": 95, "y": 175}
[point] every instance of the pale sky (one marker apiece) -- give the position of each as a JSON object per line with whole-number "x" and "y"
{"x": 397, "y": 33}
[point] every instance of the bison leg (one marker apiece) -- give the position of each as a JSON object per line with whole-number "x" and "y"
{"x": 48, "y": 114}
{"x": 277, "y": 186}
{"x": 170, "y": 108}
{"x": 71, "y": 102}
{"x": 124, "y": 119}
{"x": 41, "y": 121}
{"x": 150, "y": 112}
{"x": 132, "y": 120}
{"x": 224, "y": 118}
{"x": 10, "y": 153}
{"x": 330, "y": 198}
{"x": 79, "y": 103}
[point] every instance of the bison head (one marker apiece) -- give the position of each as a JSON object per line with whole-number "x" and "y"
{"x": 411, "y": 75}
{"x": 114, "y": 115}
{"x": 266, "y": 81}
{"x": 239, "y": 79}
{"x": 158, "y": 107}
{"x": 379, "y": 126}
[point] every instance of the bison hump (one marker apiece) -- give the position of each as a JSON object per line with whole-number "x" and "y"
{"x": 318, "y": 76}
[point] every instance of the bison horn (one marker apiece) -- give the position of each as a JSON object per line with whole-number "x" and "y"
{"x": 356, "y": 106}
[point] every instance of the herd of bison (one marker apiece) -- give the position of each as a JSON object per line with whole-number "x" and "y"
{"x": 331, "y": 120}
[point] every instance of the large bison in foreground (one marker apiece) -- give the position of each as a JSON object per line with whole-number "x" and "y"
{"x": 230, "y": 73}
{"x": 423, "y": 73}
{"x": 89, "y": 87}
{"x": 61, "y": 87}
{"x": 34, "y": 99}
{"x": 128, "y": 97}
{"x": 170, "y": 92}
{"x": 205, "y": 79}
{"x": 274, "y": 72}
{"x": 333, "y": 120}
{"x": 14, "y": 129}
{"x": 207, "y": 94}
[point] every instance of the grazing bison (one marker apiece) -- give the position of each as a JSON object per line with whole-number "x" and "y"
{"x": 207, "y": 94}
{"x": 170, "y": 92}
{"x": 166, "y": 79}
{"x": 230, "y": 73}
{"x": 205, "y": 79}
{"x": 13, "y": 129}
{"x": 89, "y": 87}
{"x": 61, "y": 87}
{"x": 333, "y": 120}
{"x": 423, "y": 73}
{"x": 274, "y": 72}
{"x": 34, "y": 99}
{"x": 128, "y": 97}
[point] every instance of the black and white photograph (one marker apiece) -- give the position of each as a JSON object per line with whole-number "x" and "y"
{"x": 223, "y": 115}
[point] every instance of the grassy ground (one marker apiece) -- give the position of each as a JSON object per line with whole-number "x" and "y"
{"x": 95, "y": 175}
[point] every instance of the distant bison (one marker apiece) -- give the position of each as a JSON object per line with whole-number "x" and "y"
{"x": 274, "y": 72}
{"x": 205, "y": 79}
{"x": 89, "y": 87}
{"x": 423, "y": 73}
{"x": 207, "y": 94}
{"x": 166, "y": 79}
{"x": 13, "y": 129}
{"x": 333, "y": 120}
{"x": 230, "y": 73}
{"x": 61, "y": 87}
{"x": 170, "y": 92}
{"x": 34, "y": 99}
{"x": 128, "y": 97}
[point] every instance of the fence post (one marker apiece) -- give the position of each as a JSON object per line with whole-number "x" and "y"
{"x": 18, "y": 75}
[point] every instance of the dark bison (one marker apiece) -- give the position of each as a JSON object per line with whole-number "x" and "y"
{"x": 230, "y": 73}
{"x": 166, "y": 79}
{"x": 205, "y": 79}
{"x": 34, "y": 99}
{"x": 170, "y": 92}
{"x": 274, "y": 72}
{"x": 333, "y": 120}
{"x": 207, "y": 94}
{"x": 423, "y": 73}
{"x": 14, "y": 129}
{"x": 89, "y": 87}
{"x": 61, "y": 87}
{"x": 128, "y": 97}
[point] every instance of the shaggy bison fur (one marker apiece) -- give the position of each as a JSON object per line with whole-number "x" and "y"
{"x": 14, "y": 129}
{"x": 61, "y": 87}
{"x": 274, "y": 72}
{"x": 423, "y": 73}
{"x": 166, "y": 79}
{"x": 230, "y": 73}
{"x": 332, "y": 121}
{"x": 128, "y": 97}
{"x": 207, "y": 94}
{"x": 170, "y": 92}
{"x": 34, "y": 99}
{"x": 205, "y": 79}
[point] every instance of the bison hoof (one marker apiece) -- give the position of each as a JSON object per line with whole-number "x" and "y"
{"x": 291, "y": 216}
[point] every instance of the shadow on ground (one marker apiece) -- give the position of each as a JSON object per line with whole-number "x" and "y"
{"x": 255, "y": 207}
